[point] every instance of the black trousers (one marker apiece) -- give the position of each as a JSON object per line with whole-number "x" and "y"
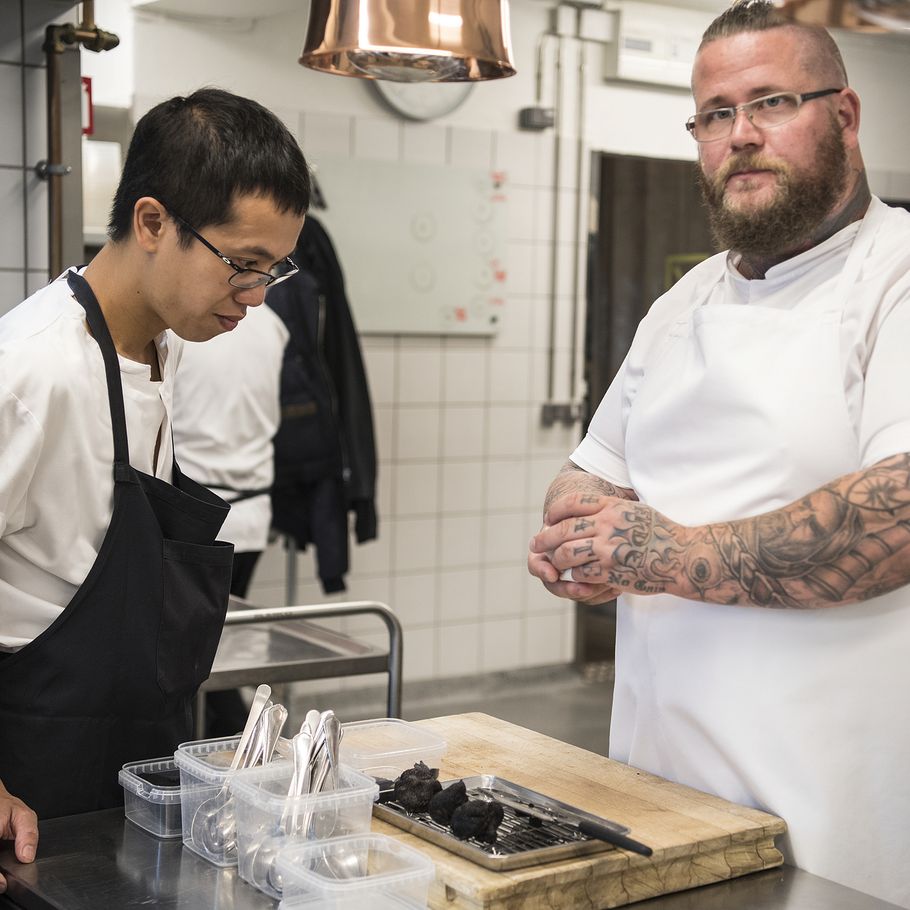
{"x": 226, "y": 711}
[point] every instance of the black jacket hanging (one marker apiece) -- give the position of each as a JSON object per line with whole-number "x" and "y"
{"x": 325, "y": 455}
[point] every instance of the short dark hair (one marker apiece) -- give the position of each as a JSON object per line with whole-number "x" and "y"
{"x": 761, "y": 15}
{"x": 200, "y": 152}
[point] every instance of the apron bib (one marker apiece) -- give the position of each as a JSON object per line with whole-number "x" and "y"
{"x": 112, "y": 678}
{"x": 743, "y": 411}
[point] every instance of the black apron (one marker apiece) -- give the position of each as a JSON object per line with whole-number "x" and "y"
{"x": 112, "y": 679}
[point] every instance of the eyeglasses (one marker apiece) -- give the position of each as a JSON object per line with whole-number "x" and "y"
{"x": 243, "y": 277}
{"x": 765, "y": 113}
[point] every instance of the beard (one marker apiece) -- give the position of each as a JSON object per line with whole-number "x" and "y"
{"x": 800, "y": 205}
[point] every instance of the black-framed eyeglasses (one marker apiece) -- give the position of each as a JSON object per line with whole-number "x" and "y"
{"x": 244, "y": 277}
{"x": 765, "y": 113}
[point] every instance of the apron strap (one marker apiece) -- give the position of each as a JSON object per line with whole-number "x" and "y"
{"x": 84, "y": 294}
{"x": 859, "y": 251}
{"x": 241, "y": 494}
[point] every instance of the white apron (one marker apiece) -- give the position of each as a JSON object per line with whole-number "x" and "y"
{"x": 799, "y": 712}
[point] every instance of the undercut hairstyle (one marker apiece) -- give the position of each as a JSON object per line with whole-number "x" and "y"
{"x": 201, "y": 152}
{"x": 741, "y": 16}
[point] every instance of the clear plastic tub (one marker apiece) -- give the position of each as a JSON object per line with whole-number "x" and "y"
{"x": 206, "y": 805}
{"x": 151, "y": 796}
{"x": 345, "y": 873}
{"x": 359, "y": 902}
{"x": 385, "y": 747}
{"x": 267, "y": 820}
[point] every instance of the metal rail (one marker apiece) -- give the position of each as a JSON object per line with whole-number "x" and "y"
{"x": 242, "y": 612}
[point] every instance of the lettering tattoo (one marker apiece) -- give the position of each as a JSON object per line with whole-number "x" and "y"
{"x": 845, "y": 542}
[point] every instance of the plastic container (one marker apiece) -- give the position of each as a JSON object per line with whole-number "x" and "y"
{"x": 264, "y": 815}
{"x": 360, "y": 902}
{"x": 149, "y": 801}
{"x": 345, "y": 873}
{"x": 206, "y": 805}
{"x": 385, "y": 747}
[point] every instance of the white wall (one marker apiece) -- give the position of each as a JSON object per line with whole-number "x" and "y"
{"x": 23, "y": 142}
{"x": 463, "y": 459}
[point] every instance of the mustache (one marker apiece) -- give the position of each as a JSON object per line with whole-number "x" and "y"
{"x": 749, "y": 161}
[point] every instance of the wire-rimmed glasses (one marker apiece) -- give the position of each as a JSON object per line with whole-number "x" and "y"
{"x": 246, "y": 278}
{"x": 765, "y": 113}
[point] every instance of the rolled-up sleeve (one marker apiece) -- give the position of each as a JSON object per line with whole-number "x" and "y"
{"x": 602, "y": 451}
{"x": 885, "y": 422}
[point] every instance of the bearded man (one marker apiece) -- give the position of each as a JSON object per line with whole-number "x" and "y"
{"x": 744, "y": 486}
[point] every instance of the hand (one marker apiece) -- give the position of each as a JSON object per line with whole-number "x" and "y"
{"x": 540, "y": 567}
{"x": 17, "y": 822}
{"x": 607, "y": 542}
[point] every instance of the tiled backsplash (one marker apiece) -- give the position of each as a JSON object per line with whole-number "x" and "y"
{"x": 23, "y": 141}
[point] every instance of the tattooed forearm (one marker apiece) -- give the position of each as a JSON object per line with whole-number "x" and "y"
{"x": 573, "y": 479}
{"x": 844, "y": 542}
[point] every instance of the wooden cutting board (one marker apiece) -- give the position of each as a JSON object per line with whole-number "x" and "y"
{"x": 697, "y": 839}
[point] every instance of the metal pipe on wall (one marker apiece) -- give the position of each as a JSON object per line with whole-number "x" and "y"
{"x": 554, "y": 240}
{"x": 566, "y": 412}
{"x": 579, "y": 168}
{"x": 53, "y": 170}
{"x": 58, "y": 40}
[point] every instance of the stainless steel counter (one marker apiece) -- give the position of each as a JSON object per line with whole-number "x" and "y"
{"x": 99, "y": 861}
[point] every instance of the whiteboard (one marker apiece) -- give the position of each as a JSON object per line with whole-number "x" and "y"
{"x": 422, "y": 246}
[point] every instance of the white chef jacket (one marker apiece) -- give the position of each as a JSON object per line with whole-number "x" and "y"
{"x": 879, "y": 411}
{"x": 57, "y": 452}
{"x": 226, "y": 414}
{"x": 738, "y": 397}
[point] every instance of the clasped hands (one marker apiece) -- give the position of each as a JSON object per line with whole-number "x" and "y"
{"x": 595, "y": 537}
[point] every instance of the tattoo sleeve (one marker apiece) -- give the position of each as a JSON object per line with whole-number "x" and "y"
{"x": 573, "y": 479}
{"x": 845, "y": 542}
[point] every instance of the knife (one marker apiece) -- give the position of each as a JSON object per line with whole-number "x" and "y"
{"x": 580, "y": 823}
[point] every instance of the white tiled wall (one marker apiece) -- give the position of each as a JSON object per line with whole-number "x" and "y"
{"x": 23, "y": 196}
{"x": 463, "y": 464}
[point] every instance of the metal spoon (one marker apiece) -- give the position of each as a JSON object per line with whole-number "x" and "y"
{"x": 277, "y": 715}
{"x": 311, "y": 721}
{"x": 258, "y": 705}
{"x": 213, "y": 822}
{"x": 333, "y": 734}
{"x": 263, "y": 873}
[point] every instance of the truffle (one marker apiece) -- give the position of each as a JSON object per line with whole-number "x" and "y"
{"x": 415, "y": 787}
{"x": 477, "y": 818}
{"x": 444, "y": 803}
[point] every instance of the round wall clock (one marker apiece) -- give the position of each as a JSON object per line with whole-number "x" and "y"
{"x": 422, "y": 100}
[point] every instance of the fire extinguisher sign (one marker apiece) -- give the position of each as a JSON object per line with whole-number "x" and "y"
{"x": 88, "y": 111}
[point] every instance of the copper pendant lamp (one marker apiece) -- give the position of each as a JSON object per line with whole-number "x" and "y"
{"x": 410, "y": 40}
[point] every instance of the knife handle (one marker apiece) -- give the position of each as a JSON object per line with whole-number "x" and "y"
{"x": 592, "y": 829}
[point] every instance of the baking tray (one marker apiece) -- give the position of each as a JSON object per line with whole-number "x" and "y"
{"x": 520, "y": 843}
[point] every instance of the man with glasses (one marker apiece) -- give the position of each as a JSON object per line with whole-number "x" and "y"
{"x": 113, "y": 587}
{"x": 744, "y": 486}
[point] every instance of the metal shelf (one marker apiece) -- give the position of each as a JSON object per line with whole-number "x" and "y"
{"x": 282, "y": 644}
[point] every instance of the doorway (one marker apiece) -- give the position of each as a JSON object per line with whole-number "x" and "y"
{"x": 651, "y": 229}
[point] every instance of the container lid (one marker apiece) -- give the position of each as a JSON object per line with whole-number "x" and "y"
{"x": 357, "y": 901}
{"x": 132, "y": 778}
{"x": 353, "y": 864}
{"x": 268, "y": 787}
{"x": 389, "y": 741}
{"x": 208, "y": 759}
